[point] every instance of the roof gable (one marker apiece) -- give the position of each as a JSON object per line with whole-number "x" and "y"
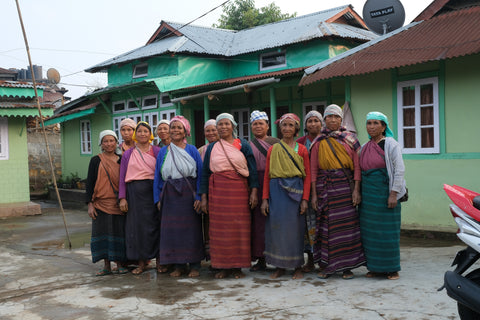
{"x": 164, "y": 31}
{"x": 438, "y": 7}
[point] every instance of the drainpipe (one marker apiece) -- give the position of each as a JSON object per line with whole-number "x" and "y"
{"x": 206, "y": 111}
{"x": 273, "y": 112}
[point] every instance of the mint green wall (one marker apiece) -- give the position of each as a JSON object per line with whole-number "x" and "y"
{"x": 14, "y": 171}
{"x": 427, "y": 207}
{"x": 72, "y": 159}
{"x": 157, "y": 67}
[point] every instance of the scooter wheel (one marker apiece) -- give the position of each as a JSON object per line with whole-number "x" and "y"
{"x": 464, "y": 312}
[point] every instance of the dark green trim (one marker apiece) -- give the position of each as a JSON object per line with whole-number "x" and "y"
{"x": 394, "y": 122}
{"x": 441, "y": 108}
{"x": 273, "y": 111}
{"x": 69, "y": 117}
{"x": 104, "y": 105}
{"x": 417, "y": 76}
{"x": 348, "y": 91}
{"x": 444, "y": 156}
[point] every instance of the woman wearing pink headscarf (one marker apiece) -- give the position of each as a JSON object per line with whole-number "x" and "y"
{"x": 175, "y": 193}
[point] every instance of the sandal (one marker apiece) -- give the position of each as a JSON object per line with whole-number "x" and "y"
{"x": 347, "y": 275}
{"x": 138, "y": 270}
{"x": 372, "y": 274}
{"x": 162, "y": 269}
{"x": 223, "y": 273}
{"x": 259, "y": 266}
{"x": 393, "y": 276}
{"x": 323, "y": 275}
{"x": 103, "y": 272}
{"x": 122, "y": 270}
{"x": 238, "y": 274}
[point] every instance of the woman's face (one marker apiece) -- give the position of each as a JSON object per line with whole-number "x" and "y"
{"x": 211, "y": 133}
{"x": 143, "y": 134}
{"x": 177, "y": 131}
{"x": 109, "y": 144}
{"x": 260, "y": 128}
{"x": 127, "y": 133}
{"x": 225, "y": 128}
{"x": 287, "y": 127}
{"x": 163, "y": 131}
{"x": 314, "y": 125}
{"x": 375, "y": 128}
{"x": 333, "y": 122}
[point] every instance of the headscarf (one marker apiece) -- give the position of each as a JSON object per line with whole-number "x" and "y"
{"x": 167, "y": 122}
{"x": 292, "y": 116}
{"x": 210, "y": 122}
{"x": 258, "y": 115}
{"x": 106, "y": 133}
{"x": 128, "y": 122}
{"x": 313, "y": 113}
{"x": 146, "y": 125}
{"x": 184, "y": 122}
{"x": 375, "y": 115}
{"x": 333, "y": 109}
{"x": 232, "y": 120}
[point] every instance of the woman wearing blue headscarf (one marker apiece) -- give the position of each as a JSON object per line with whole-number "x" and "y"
{"x": 383, "y": 184}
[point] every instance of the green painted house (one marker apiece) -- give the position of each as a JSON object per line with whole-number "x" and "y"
{"x": 425, "y": 78}
{"x": 17, "y": 103}
{"x": 200, "y": 72}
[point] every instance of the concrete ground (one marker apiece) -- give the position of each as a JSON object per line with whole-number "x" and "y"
{"x": 40, "y": 279}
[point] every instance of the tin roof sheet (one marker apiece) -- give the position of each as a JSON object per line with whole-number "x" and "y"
{"x": 445, "y": 36}
{"x": 221, "y": 42}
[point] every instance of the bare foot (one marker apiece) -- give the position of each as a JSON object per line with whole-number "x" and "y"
{"x": 193, "y": 273}
{"x": 308, "y": 267}
{"x": 393, "y": 276}
{"x": 176, "y": 273}
{"x": 261, "y": 265}
{"x": 223, "y": 274}
{"x": 138, "y": 270}
{"x": 278, "y": 273}
{"x": 298, "y": 274}
{"x": 238, "y": 274}
{"x": 162, "y": 268}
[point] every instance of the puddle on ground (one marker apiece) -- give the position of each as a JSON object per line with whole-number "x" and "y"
{"x": 77, "y": 240}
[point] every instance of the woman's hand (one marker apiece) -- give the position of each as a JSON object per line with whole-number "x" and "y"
{"x": 92, "y": 213}
{"x": 204, "y": 204}
{"x": 313, "y": 195}
{"x": 123, "y": 205}
{"x": 264, "y": 207}
{"x": 356, "y": 195}
{"x": 159, "y": 206}
{"x": 392, "y": 200}
{"x": 303, "y": 206}
{"x": 253, "y": 201}
{"x": 197, "y": 206}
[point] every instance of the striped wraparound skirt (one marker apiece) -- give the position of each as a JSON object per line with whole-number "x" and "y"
{"x": 229, "y": 221}
{"x": 338, "y": 245}
{"x": 181, "y": 238}
{"x": 258, "y": 223}
{"x": 142, "y": 223}
{"x": 285, "y": 226}
{"x": 380, "y": 226}
{"x": 108, "y": 237}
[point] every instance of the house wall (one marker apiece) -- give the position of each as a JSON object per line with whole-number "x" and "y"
{"x": 459, "y": 159}
{"x": 14, "y": 171}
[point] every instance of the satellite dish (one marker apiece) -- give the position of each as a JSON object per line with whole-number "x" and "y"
{"x": 53, "y": 75}
{"x": 383, "y": 16}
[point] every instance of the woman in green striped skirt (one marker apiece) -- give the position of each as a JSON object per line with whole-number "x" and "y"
{"x": 383, "y": 184}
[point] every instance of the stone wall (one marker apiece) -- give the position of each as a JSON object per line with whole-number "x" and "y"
{"x": 38, "y": 162}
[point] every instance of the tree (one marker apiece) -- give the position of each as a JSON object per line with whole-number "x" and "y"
{"x": 242, "y": 14}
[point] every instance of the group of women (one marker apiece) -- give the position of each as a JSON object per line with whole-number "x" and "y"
{"x": 234, "y": 202}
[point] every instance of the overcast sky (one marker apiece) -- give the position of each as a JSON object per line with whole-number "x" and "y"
{"x": 73, "y": 35}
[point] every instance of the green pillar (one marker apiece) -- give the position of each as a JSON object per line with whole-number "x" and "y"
{"x": 206, "y": 111}
{"x": 273, "y": 112}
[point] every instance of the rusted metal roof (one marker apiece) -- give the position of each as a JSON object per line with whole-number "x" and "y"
{"x": 446, "y": 36}
{"x": 24, "y": 104}
{"x": 238, "y": 80}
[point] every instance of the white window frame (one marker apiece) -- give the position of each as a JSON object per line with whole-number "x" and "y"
{"x": 316, "y": 105}
{"x": 153, "y": 106}
{"x": 85, "y": 137}
{"x": 4, "y": 151}
{"x": 116, "y": 127}
{"x": 270, "y": 54}
{"x": 137, "y": 117}
{"x": 167, "y": 114}
{"x": 140, "y": 75}
{"x": 152, "y": 119}
{"x": 135, "y": 108}
{"x": 165, "y": 105}
{"x": 238, "y": 114}
{"x": 436, "y": 123}
{"x": 117, "y": 103}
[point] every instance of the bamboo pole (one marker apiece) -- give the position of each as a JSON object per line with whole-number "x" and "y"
{"x": 43, "y": 126}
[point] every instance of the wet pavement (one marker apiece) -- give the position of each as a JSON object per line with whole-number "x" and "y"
{"x": 40, "y": 278}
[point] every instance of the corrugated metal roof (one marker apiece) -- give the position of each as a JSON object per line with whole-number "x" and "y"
{"x": 442, "y": 37}
{"x": 18, "y": 84}
{"x": 212, "y": 41}
{"x": 24, "y": 104}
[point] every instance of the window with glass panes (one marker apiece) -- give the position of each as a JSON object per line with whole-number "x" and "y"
{"x": 85, "y": 137}
{"x": 3, "y": 138}
{"x": 418, "y": 118}
{"x": 242, "y": 117}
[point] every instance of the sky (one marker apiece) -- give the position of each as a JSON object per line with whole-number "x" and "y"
{"x": 72, "y": 35}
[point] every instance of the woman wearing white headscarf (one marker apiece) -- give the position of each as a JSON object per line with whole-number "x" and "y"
{"x": 383, "y": 184}
{"x": 108, "y": 221}
{"x": 229, "y": 173}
